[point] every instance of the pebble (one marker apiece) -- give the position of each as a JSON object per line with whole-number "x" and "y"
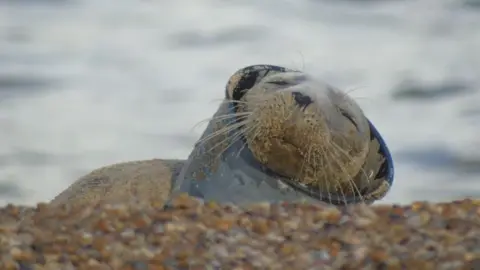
{"x": 192, "y": 234}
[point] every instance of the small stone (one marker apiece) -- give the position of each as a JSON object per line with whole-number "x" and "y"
{"x": 418, "y": 220}
{"x": 175, "y": 227}
{"x": 360, "y": 253}
{"x": 99, "y": 243}
{"x": 142, "y": 222}
{"x": 335, "y": 249}
{"x": 86, "y": 238}
{"x": 470, "y": 256}
{"x": 21, "y": 255}
{"x": 363, "y": 222}
{"x": 136, "y": 265}
{"x": 260, "y": 226}
{"x": 8, "y": 265}
{"x": 378, "y": 255}
{"x": 163, "y": 216}
{"x": 104, "y": 226}
{"x": 416, "y": 206}
{"x": 287, "y": 249}
{"x": 224, "y": 225}
{"x": 220, "y": 251}
{"x": 183, "y": 201}
{"x": 92, "y": 262}
{"x": 128, "y": 234}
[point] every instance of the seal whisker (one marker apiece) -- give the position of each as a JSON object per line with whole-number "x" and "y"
{"x": 329, "y": 155}
{"x": 221, "y": 131}
{"x": 221, "y": 118}
{"x": 233, "y": 139}
{"x": 336, "y": 185}
{"x": 239, "y": 130}
{"x": 348, "y": 156}
{"x": 305, "y": 159}
{"x": 244, "y": 143}
{"x": 236, "y": 128}
{"x": 327, "y": 185}
{"x": 234, "y": 101}
{"x": 319, "y": 164}
{"x": 326, "y": 181}
{"x": 348, "y": 92}
{"x": 224, "y": 100}
{"x": 350, "y": 181}
{"x": 217, "y": 133}
{"x": 337, "y": 158}
{"x": 247, "y": 132}
{"x": 235, "y": 135}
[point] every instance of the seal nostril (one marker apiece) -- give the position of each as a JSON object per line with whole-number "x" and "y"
{"x": 302, "y": 99}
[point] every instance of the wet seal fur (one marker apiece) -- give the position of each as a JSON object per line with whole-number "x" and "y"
{"x": 279, "y": 135}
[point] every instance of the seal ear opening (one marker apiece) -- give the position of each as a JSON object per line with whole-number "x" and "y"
{"x": 244, "y": 79}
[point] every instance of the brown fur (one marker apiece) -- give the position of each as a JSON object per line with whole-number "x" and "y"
{"x": 144, "y": 180}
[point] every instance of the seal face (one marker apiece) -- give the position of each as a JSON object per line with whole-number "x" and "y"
{"x": 283, "y": 135}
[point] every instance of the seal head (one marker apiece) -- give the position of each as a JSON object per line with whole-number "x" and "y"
{"x": 283, "y": 135}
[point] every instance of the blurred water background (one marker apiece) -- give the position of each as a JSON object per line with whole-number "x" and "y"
{"x": 86, "y": 83}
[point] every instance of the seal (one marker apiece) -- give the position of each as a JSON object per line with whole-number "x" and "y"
{"x": 283, "y": 135}
{"x": 279, "y": 135}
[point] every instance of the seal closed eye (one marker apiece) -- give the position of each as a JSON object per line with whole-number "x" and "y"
{"x": 284, "y": 135}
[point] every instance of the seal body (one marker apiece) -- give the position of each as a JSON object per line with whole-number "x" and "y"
{"x": 279, "y": 135}
{"x": 144, "y": 180}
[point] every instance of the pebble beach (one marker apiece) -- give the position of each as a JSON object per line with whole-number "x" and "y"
{"x": 87, "y": 83}
{"x": 204, "y": 235}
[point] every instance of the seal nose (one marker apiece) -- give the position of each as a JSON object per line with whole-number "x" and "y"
{"x": 302, "y": 99}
